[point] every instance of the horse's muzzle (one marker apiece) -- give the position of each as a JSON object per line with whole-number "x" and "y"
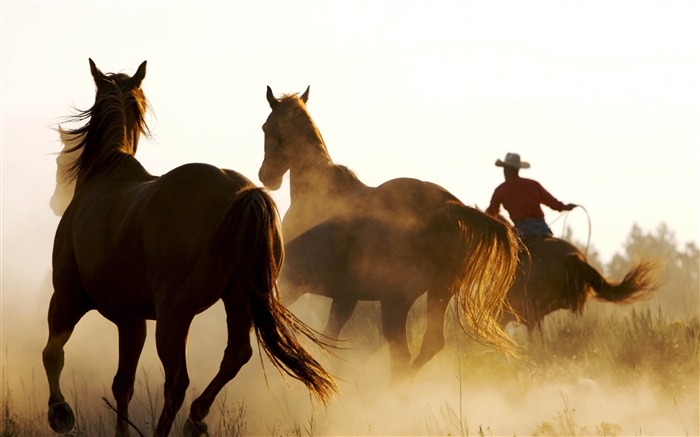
{"x": 269, "y": 181}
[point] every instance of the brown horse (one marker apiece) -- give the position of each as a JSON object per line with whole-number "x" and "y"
{"x": 391, "y": 243}
{"x": 561, "y": 278}
{"x": 135, "y": 247}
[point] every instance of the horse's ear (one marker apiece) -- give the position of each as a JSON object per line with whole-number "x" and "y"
{"x": 140, "y": 74}
{"x": 271, "y": 98}
{"x": 96, "y": 73}
{"x": 305, "y": 96}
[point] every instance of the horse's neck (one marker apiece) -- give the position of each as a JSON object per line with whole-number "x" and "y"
{"x": 312, "y": 170}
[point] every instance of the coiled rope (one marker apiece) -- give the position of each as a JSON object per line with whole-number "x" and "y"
{"x": 565, "y": 214}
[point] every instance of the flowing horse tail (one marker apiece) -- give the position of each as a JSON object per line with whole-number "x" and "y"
{"x": 253, "y": 221}
{"x": 488, "y": 268}
{"x": 636, "y": 285}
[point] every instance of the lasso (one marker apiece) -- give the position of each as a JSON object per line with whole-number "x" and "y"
{"x": 565, "y": 214}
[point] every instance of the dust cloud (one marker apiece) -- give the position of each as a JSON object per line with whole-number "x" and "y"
{"x": 465, "y": 390}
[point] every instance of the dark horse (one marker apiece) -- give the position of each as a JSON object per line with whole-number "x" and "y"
{"x": 561, "y": 278}
{"x": 391, "y": 243}
{"x": 135, "y": 247}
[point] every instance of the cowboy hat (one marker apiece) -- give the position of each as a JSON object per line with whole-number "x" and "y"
{"x": 513, "y": 161}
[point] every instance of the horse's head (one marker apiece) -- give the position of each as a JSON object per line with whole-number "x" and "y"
{"x": 113, "y": 124}
{"x": 133, "y": 100}
{"x": 290, "y": 137}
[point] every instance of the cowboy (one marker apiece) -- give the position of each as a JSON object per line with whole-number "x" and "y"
{"x": 522, "y": 198}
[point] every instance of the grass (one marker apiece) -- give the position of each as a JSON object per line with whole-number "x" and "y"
{"x": 640, "y": 345}
{"x": 564, "y": 424}
{"x": 615, "y": 352}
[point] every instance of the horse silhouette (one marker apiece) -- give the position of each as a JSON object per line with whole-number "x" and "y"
{"x": 135, "y": 246}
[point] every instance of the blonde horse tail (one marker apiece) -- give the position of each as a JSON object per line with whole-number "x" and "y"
{"x": 489, "y": 265}
{"x": 254, "y": 221}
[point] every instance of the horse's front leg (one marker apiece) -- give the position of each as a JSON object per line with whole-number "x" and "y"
{"x": 65, "y": 310}
{"x": 238, "y": 352}
{"x": 132, "y": 335}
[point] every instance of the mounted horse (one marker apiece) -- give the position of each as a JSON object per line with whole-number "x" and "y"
{"x": 135, "y": 247}
{"x": 561, "y": 278}
{"x": 391, "y": 243}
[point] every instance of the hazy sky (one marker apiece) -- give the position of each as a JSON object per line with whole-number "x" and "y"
{"x": 601, "y": 97}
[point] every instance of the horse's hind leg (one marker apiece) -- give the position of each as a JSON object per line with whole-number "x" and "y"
{"x": 341, "y": 310}
{"x": 132, "y": 335}
{"x": 434, "y": 338}
{"x": 238, "y": 352}
{"x": 172, "y": 327}
{"x": 394, "y": 316}
{"x": 64, "y": 313}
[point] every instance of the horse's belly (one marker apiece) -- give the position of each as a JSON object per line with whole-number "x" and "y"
{"x": 119, "y": 302}
{"x": 380, "y": 278}
{"x": 364, "y": 259}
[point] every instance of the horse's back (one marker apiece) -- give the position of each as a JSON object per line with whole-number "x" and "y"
{"x": 550, "y": 248}
{"x": 134, "y": 241}
{"x": 190, "y": 196}
{"x": 412, "y": 192}
{"x": 203, "y": 173}
{"x": 408, "y": 199}
{"x": 189, "y": 202}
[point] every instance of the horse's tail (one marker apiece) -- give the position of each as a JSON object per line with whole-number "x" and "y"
{"x": 252, "y": 223}
{"x": 636, "y": 285}
{"x": 488, "y": 268}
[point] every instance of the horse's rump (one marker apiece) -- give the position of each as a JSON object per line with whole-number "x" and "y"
{"x": 250, "y": 221}
{"x": 579, "y": 276}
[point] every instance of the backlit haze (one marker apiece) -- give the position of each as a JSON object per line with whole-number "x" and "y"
{"x": 600, "y": 97}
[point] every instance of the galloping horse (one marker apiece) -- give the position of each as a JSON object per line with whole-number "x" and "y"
{"x": 561, "y": 278}
{"x": 391, "y": 243}
{"x": 135, "y": 247}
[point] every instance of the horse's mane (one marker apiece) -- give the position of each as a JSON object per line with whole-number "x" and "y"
{"x": 344, "y": 175}
{"x": 294, "y": 109}
{"x": 104, "y": 136}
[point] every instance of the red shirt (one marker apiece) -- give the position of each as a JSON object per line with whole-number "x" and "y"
{"x": 522, "y": 198}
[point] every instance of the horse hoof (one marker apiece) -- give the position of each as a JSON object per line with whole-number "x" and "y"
{"x": 61, "y": 418}
{"x": 195, "y": 429}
